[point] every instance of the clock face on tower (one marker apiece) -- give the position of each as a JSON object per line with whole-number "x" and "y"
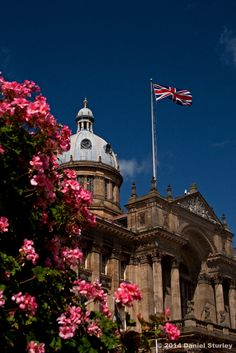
{"x": 86, "y": 143}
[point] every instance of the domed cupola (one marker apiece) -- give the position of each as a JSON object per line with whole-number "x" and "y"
{"x": 96, "y": 164}
{"x": 84, "y": 118}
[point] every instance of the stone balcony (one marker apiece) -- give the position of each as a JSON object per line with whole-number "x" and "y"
{"x": 198, "y": 336}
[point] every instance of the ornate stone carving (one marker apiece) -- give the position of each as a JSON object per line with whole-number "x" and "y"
{"x": 196, "y": 205}
{"x": 156, "y": 256}
{"x": 115, "y": 253}
{"x": 221, "y": 316}
{"x": 190, "y": 310}
{"x": 204, "y": 278}
{"x": 217, "y": 279}
{"x": 144, "y": 259}
{"x": 207, "y": 313}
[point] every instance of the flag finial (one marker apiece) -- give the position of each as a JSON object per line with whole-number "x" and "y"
{"x": 85, "y": 102}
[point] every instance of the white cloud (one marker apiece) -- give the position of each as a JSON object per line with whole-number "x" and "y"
{"x": 222, "y": 144}
{"x": 228, "y": 42}
{"x": 131, "y": 167}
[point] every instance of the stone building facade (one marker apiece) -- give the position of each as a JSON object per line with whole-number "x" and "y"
{"x": 176, "y": 249}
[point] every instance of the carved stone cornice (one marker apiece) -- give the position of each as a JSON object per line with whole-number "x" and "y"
{"x": 163, "y": 234}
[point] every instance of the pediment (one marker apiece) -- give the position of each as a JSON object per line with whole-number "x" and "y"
{"x": 196, "y": 203}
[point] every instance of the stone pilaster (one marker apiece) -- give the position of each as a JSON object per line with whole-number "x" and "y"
{"x": 175, "y": 291}
{"x": 146, "y": 286}
{"x": 204, "y": 299}
{"x": 157, "y": 283}
{"x": 94, "y": 264}
{"x": 132, "y": 275}
{"x": 95, "y": 261}
{"x": 113, "y": 270}
{"x": 99, "y": 187}
{"x": 219, "y": 297}
{"x": 232, "y": 304}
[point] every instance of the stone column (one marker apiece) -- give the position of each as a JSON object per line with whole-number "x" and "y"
{"x": 99, "y": 187}
{"x": 94, "y": 264}
{"x": 204, "y": 299}
{"x": 157, "y": 283}
{"x": 219, "y": 297}
{"x": 132, "y": 275}
{"x": 175, "y": 291}
{"x": 110, "y": 191}
{"x": 146, "y": 286}
{"x": 113, "y": 270}
{"x": 232, "y": 304}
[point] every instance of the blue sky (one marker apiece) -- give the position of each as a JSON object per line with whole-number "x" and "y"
{"x": 107, "y": 51}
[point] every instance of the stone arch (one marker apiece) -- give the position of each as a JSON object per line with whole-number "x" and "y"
{"x": 199, "y": 239}
{"x": 194, "y": 257}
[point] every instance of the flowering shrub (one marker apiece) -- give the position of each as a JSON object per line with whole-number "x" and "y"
{"x": 42, "y": 214}
{"x": 43, "y": 303}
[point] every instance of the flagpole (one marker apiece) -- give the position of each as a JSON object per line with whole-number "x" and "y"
{"x": 153, "y": 134}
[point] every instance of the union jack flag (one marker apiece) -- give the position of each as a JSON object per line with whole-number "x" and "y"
{"x": 179, "y": 96}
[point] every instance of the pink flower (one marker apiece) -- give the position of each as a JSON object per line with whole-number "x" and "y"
{"x": 70, "y": 320}
{"x": 94, "y": 329}
{"x": 34, "y": 347}
{"x": 4, "y": 224}
{"x": 70, "y": 173}
{"x": 127, "y": 293}
{"x": 2, "y": 300}
{"x": 28, "y": 251}
{"x": 67, "y": 332}
{"x": 172, "y": 331}
{"x": 167, "y": 312}
{"x": 26, "y": 302}
{"x": 72, "y": 256}
{"x": 90, "y": 290}
{"x": 2, "y": 150}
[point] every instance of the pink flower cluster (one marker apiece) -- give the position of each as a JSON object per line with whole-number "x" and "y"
{"x": 4, "y": 224}
{"x": 127, "y": 293}
{"x": 2, "y": 300}
{"x": 28, "y": 251}
{"x": 94, "y": 329}
{"x": 89, "y": 290}
{"x": 70, "y": 320}
{"x": 72, "y": 256}
{"x": 74, "y": 195}
{"x": 26, "y": 302}
{"x": 167, "y": 312}
{"x": 2, "y": 150}
{"x": 92, "y": 291}
{"x": 15, "y": 89}
{"x": 172, "y": 331}
{"x": 34, "y": 347}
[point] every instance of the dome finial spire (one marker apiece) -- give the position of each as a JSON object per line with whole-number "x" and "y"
{"x": 85, "y": 102}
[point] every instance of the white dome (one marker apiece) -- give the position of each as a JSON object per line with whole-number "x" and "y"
{"x": 85, "y": 145}
{"x": 84, "y": 112}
